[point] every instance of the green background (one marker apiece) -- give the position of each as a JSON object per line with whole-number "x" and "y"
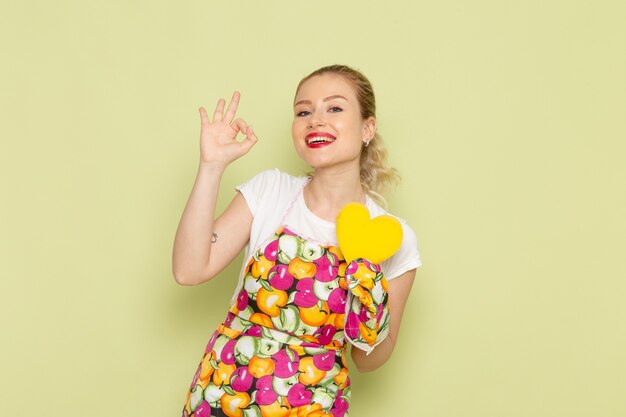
{"x": 506, "y": 120}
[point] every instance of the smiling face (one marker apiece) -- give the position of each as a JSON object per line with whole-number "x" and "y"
{"x": 328, "y": 129}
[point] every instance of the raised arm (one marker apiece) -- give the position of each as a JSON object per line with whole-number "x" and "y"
{"x": 203, "y": 246}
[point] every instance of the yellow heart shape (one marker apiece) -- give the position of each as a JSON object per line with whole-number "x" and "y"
{"x": 360, "y": 236}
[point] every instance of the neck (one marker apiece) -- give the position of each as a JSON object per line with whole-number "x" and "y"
{"x": 327, "y": 192}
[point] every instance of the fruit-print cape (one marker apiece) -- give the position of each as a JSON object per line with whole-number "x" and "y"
{"x": 281, "y": 350}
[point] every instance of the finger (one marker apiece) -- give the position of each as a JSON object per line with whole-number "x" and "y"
{"x": 232, "y": 107}
{"x": 250, "y": 140}
{"x": 240, "y": 125}
{"x": 219, "y": 110}
{"x": 250, "y": 135}
{"x": 204, "y": 117}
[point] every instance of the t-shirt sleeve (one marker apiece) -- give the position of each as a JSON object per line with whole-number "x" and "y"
{"x": 258, "y": 187}
{"x": 406, "y": 258}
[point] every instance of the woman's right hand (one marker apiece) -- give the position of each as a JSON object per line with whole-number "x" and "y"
{"x": 218, "y": 144}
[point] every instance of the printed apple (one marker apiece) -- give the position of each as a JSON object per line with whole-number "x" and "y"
{"x": 330, "y": 376}
{"x": 220, "y": 342}
{"x": 232, "y": 405}
{"x": 279, "y": 277}
{"x": 286, "y": 363}
{"x": 325, "y": 334}
{"x": 246, "y": 348}
{"x": 288, "y": 319}
{"x": 246, "y": 313}
{"x": 271, "y": 250}
{"x": 289, "y": 247}
{"x": 227, "y": 355}
{"x": 309, "y": 373}
{"x": 212, "y": 394}
{"x": 222, "y": 373}
{"x": 304, "y": 328}
{"x": 305, "y": 296}
{"x": 270, "y": 301}
{"x": 378, "y": 294}
{"x": 196, "y": 397}
{"x": 268, "y": 347}
{"x": 252, "y": 411}
{"x": 260, "y": 367}
{"x": 239, "y": 325}
{"x": 298, "y": 395}
{"x": 253, "y": 330}
{"x": 203, "y": 410}
{"x": 242, "y": 300}
{"x": 324, "y": 397}
{"x": 251, "y": 285}
{"x": 311, "y": 251}
{"x": 324, "y": 361}
{"x": 337, "y": 300}
{"x": 282, "y": 385}
{"x": 326, "y": 268}
{"x": 352, "y": 326}
{"x": 265, "y": 394}
{"x": 241, "y": 380}
{"x": 279, "y": 408}
{"x": 323, "y": 289}
{"x": 340, "y": 407}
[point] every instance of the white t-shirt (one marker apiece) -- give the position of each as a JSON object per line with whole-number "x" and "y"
{"x": 275, "y": 199}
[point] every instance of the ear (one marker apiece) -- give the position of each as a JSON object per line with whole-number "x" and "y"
{"x": 369, "y": 129}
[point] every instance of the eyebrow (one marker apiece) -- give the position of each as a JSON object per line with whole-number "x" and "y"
{"x": 326, "y": 99}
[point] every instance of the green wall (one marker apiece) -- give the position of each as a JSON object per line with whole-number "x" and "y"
{"x": 506, "y": 120}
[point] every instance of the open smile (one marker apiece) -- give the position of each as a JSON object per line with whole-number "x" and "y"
{"x": 319, "y": 139}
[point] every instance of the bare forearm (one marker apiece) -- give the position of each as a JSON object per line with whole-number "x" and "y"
{"x": 192, "y": 248}
{"x": 373, "y": 361}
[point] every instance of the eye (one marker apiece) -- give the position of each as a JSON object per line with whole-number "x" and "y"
{"x": 335, "y": 109}
{"x": 303, "y": 113}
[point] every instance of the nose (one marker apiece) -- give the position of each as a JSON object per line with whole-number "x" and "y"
{"x": 315, "y": 119}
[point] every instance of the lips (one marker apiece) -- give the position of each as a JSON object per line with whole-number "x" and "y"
{"x": 319, "y": 139}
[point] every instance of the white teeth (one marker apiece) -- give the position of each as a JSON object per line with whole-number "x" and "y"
{"x": 318, "y": 139}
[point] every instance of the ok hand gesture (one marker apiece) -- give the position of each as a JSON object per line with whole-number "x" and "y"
{"x": 218, "y": 144}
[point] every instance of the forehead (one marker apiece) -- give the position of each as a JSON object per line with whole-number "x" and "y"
{"x": 325, "y": 85}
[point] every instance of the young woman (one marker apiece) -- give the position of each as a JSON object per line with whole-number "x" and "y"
{"x": 281, "y": 349}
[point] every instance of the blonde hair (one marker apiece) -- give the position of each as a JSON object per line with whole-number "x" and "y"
{"x": 376, "y": 175}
